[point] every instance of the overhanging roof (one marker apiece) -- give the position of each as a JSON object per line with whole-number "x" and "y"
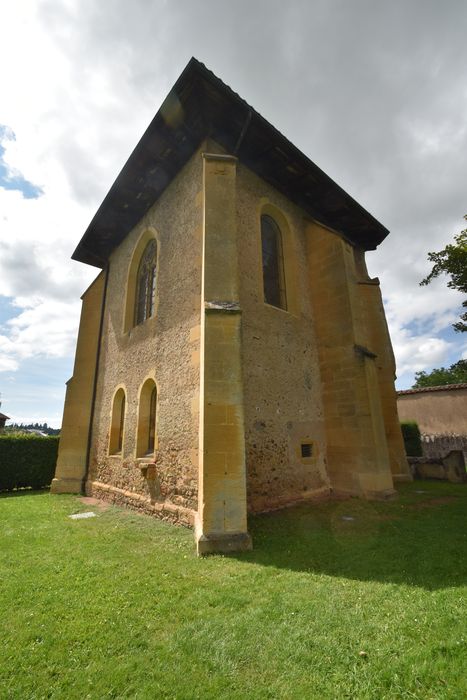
{"x": 199, "y": 106}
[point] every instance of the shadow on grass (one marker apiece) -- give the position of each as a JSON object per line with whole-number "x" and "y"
{"x": 418, "y": 539}
{"x": 24, "y": 492}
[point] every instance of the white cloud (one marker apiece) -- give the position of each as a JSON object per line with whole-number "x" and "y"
{"x": 373, "y": 93}
{"x": 45, "y": 329}
{"x": 417, "y": 352}
{"x": 37, "y": 273}
{"x": 7, "y": 364}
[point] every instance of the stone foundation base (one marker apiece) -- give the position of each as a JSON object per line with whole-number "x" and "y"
{"x": 220, "y": 542}
{"x": 163, "y": 510}
{"x": 402, "y": 478}
{"x": 223, "y": 543}
{"x": 66, "y": 486}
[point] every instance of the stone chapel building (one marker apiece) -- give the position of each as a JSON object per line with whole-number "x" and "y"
{"x": 233, "y": 354}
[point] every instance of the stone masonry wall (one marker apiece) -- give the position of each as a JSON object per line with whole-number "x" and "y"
{"x": 165, "y": 347}
{"x": 436, "y": 446}
{"x": 281, "y": 380}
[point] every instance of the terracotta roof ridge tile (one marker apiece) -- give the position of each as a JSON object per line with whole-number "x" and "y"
{"x": 440, "y": 387}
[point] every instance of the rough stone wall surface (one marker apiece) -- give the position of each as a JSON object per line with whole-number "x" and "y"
{"x": 438, "y": 446}
{"x": 281, "y": 379}
{"x": 165, "y": 347}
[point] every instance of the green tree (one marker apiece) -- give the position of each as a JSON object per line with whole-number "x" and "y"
{"x": 452, "y": 261}
{"x": 455, "y": 374}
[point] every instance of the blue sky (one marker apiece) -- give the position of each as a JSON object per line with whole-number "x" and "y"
{"x": 10, "y": 180}
{"x": 373, "y": 92}
{"x": 35, "y": 392}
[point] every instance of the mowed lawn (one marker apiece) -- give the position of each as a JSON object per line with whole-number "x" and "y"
{"x": 344, "y": 599}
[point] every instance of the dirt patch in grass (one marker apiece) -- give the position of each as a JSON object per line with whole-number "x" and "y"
{"x": 442, "y": 501}
{"x": 385, "y": 516}
{"x": 89, "y": 501}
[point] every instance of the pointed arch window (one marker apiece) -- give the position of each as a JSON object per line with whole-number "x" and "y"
{"x": 273, "y": 263}
{"x": 147, "y": 414}
{"x": 146, "y": 284}
{"x": 117, "y": 423}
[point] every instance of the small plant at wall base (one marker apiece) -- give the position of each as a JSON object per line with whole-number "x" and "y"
{"x": 412, "y": 438}
{"x": 27, "y": 461}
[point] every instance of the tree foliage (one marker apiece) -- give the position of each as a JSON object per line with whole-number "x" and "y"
{"x": 452, "y": 261}
{"x": 455, "y": 374}
{"x": 25, "y": 427}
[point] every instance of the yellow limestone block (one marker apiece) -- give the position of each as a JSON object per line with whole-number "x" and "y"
{"x": 221, "y": 521}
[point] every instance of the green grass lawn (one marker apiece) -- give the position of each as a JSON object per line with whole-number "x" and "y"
{"x": 338, "y": 600}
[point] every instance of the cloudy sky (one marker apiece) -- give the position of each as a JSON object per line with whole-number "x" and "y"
{"x": 374, "y": 92}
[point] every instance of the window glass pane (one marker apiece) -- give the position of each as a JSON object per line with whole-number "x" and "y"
{"x": 141, "y": 300}
{"x": 122, "y": 421}
{"x": 152, "y": 420}
{"x": 273, "y": 265}
{"x": 146, "y": 284}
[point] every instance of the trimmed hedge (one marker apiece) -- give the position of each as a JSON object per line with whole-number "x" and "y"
{"x": 27, "y": 460}
{"x": 412, "y": 439}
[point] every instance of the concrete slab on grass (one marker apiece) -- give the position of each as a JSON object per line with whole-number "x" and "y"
{"x": 82, "y": 516}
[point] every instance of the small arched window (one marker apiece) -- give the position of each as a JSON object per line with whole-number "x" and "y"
{"x": 273, "y": 263}
{"x": 146, "y": 437}
{"x": 117, "y": 423}
{"x": 146, "y": 284}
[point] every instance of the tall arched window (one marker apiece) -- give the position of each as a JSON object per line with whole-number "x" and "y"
{"x": 146, "y": 437}
{"x": 146, "y": 283}
{"x": 117, "y": 423}
{"x": 273, "y": 263}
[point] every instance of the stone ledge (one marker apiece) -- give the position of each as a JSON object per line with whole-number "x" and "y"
{"x": 220, "y": 157}
{"x": 226, "y": 307}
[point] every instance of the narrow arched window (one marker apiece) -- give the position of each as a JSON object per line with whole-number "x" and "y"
{"x": 117, "y": 423}
{"x": 146, "y": 284}
{"x": 146, "y": 436}
{"x": 273, "y": 263}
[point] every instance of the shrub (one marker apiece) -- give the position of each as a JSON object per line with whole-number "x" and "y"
{"x": 27, "y": 460}
{"x": 412, "y": 439}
